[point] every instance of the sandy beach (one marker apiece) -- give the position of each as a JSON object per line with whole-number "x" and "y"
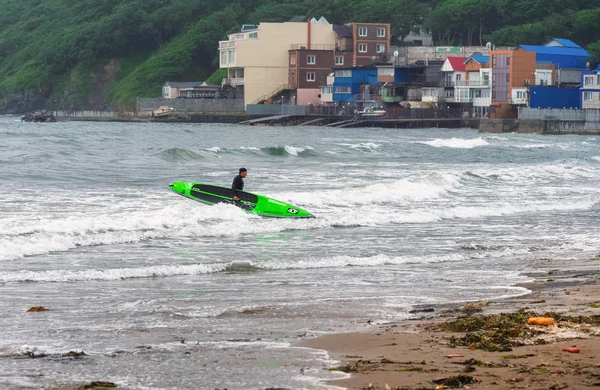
{"x": 422, "y": 353}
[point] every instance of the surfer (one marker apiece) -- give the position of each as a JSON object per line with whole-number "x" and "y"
{"x": 238, "y": 183}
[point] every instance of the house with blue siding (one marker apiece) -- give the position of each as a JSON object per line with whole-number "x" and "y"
{"x": 550, "y": 97}
{"x": 356, "y": 84}
{"x": 589, "y": 91}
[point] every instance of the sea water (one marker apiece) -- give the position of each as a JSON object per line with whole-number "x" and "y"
{"x": 162, "y": 292}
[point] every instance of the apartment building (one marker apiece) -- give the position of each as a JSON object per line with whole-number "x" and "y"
{"x": 356, "y": 45}
{"x": 258, "y": 59}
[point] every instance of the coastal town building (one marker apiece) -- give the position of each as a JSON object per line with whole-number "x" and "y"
{"x": 258, "y": 60}
{"x": 356, "y": 45}
{"x": 589, "y": 93}
{"x": 190, "y": 90}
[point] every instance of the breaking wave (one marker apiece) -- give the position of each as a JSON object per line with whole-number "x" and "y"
{"x": 457, "y": 143}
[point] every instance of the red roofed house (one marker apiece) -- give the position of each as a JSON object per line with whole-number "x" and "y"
{"x": 454, "y": 73}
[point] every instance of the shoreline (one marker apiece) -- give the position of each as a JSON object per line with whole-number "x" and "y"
{"x": 413, "y": 354}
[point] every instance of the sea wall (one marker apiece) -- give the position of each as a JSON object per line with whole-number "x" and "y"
{"x": 145, "y": 106}
{"x": 546, "y": 121}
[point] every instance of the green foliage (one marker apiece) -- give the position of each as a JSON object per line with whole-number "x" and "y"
{"x": 217, "y": 77}
{"x": 56, "y": 45}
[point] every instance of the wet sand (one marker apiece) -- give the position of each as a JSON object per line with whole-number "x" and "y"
{"x": 416, "y": 354}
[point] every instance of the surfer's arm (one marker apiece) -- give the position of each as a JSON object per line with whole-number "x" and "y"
{"x": 234, "y": 188}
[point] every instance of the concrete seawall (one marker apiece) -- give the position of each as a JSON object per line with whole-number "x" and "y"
{"x": 578, "y": 127}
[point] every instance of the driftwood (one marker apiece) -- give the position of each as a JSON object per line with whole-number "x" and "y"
{"x": 39, "y": 116}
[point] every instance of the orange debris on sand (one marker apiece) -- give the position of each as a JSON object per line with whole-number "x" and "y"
{"x": 547, "y": 321}
{"x": 36, "y": 308}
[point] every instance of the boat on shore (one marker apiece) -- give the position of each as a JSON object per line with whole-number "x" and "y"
{"x": 371, "y": 111}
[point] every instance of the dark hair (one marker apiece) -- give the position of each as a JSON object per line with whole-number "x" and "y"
{"x": 243, "y": 170}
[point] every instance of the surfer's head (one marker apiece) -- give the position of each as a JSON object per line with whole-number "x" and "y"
{"x": 243, "y": 172}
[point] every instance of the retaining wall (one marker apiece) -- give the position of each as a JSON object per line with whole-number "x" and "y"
{"x": 145, "y": 106}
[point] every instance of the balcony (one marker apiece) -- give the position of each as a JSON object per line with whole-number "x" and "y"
{"x": 472, "y": 83}
{"x": 226, "y": 44}
{"x": 519, "y": 101}
{"x": 482, "y": 101}
{"x": 234, "y": 82}
{"x": 304, "y": 46}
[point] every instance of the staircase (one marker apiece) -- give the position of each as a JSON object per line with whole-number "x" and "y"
{"x": 268, "y": 98}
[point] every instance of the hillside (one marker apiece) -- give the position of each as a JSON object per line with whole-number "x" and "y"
{"x": 76, "y": 54}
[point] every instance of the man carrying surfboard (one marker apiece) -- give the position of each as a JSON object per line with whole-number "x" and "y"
{"x": 238, "y": 183}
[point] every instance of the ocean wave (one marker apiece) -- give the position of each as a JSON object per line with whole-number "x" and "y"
{"x": 181, "y": 154}
{"x": 364, "y": 146}
{"x": 109, "y": 274}
{"x": 288, "y": 150}
{"x": 533, "y": 146}
{"x": 61, "y": 276}
{"x": 457, "y": 143}
{"x": 409, "y": 189}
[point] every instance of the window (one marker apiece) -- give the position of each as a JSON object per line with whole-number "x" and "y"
{"x": 341, "y": 90}
{"x": 521, "y": 94}
{"x": 362, "y": 32}
{"x": 325, "y": 90}
{"x": 223, "y": 58}
{"x": 343, "y": 73}
{"x": 494, "y": 60}
{"x": 588, "y": 80}
{"x": 459, "y": 77}
{"x": 380, "y": 48}
{"x": 380, "y": 32}
{"x": 339, "y": 60}
{"x": 386, "y": 71}
{"x": 508, "y": 77}
{"x": 232, "y": 57}
{"x": 293, "y": 60}
{"x": 508, "y": 61}
{"x": 362, "y": 47}
{"x": 587, "y": 96}
{"x": 598, "y": 79}
{"x": 310, "y": 60}
{"x": 253, "y": 35}
{"x": 310, "y": 76}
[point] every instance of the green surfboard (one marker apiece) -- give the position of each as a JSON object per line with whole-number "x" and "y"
{"x": 249, "y": 202}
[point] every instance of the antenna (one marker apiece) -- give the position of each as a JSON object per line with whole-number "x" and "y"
{"x": 396, "y": 53}
{"x": 489, "y": 45}
{"x": 373, "y": 58}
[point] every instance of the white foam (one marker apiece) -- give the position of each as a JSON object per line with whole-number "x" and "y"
{"x": 533, "y": 146}
{"x": 456, "y": 143}
{"x": 215, "y": 149}
{"x": 409, "y": 189}
{"x": 369, "y": 146}
{"x": 296, "y": 150}
{"x": 109, "y": 274}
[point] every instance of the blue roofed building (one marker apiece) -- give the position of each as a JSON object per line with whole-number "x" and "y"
{"x": 562, "y": 53}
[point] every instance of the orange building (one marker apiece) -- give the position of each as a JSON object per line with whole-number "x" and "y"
{"x": 513, "y": 71}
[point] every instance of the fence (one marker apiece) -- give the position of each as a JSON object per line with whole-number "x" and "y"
{"x": 274, "y": 109}
{"x": 191, "y": 105}
{"x": 92, "y": 114}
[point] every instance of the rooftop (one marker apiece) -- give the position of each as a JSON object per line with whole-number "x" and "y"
{"x": 479, "y": 59}
{"x": 457, "y": 63}
{"x": 565, "y": 42}
{"x": 556, "y": 50}
{"x": 189, "y": 84}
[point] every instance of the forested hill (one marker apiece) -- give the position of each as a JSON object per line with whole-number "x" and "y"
{"x": 93, "y": 53}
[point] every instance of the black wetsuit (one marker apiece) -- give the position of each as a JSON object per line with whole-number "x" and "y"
{"x": 237, "y": 185}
